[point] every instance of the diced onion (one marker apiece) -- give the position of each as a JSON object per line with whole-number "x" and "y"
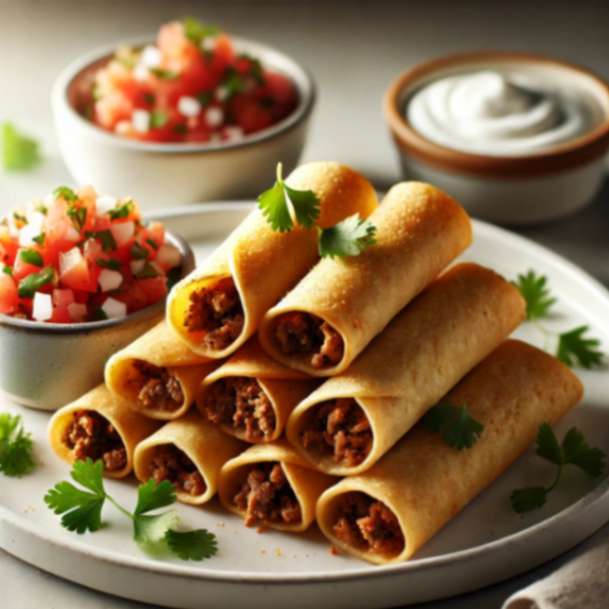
{"x": 77, "y": 312}
{"x": 233, "y": 133}
{"x": 109, "y": 280}
{"x": 214, "y": 117}
{"x": 141, "y": 120}
{"x": 168, "y": 256}
{"x": 189, "y": 106}
{"x": 28, "y": 233}
{"x": 114, "y": 308}
{"x": 69, "y": 260}
{"x": 42, "y": 309}
{"x": 141, "y": 72}
{"x": 151, "y": 57}
{"x": 122, "y": 232}
{"x": 73, "y": 235}
{"x": 105, "y": 203}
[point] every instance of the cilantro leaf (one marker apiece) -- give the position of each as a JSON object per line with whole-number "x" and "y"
{"x": 274, "y": 207}
{"x": 31, "y": 257}
{"x": 347, "y": 238}
{"x": 19, "y": 152}
{"x": 65, "y": 193}
{"x": 39, "y": 239}
{"x": 548, "y": 446}
{"x": 196, "y": 31}
{"x": 149, "y": 531}
{"x": 528, "y": 499}
{"x": 121, "y": 210}
{"x": 164, "y": 74}
{"x": 106, "y": 238}
{"x": 89, "y": 474}
{"x": 192, "y": 545}
{"x": 139, "y": 252}
{"x": 536, "y": 294}
{"x": 15, "y": 446}
{"x": 574, "y": 348}
{"x": 29, "y": 285}
{"x": 158, "y": 119}
{"x": 152, "y": 496}
{"x": 78, "y": 215}
{"x": 305, "y": 204}
{"x": 147, "y": 272}
{"x": 457, "y": 428}
{"x": 577, "y": 452}
{"x": 109, "y": 263}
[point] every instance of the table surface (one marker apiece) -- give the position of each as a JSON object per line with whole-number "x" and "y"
{"x": 354, "y": 49}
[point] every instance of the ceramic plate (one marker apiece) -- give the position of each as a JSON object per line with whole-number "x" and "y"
{"x": 487, "y": 542}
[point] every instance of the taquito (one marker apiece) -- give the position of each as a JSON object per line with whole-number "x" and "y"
{"x": 251, "y": 396}
{"x": 99, "y": 426}
{"x": 157, "y": 374}
{"x": 327, "y": 320}
{"x": 220, "y": 304}
{"x": 389, "y": 512}
{"x": 352, "y": 420}
{"x": 270, "y": 485}
{"x": 189, "y": 453}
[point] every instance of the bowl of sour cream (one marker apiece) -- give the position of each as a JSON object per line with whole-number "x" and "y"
{"x": 517, "y": 138}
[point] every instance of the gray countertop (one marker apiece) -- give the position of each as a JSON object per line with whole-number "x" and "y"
{"x": 354, "y": 49}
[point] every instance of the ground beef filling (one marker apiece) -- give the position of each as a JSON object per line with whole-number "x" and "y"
{"x": 240, "y": 403}
{"x": 339, "y": 428}
{"x": 306, "y": 334}
{"x": 217, "y": 312}
{"x": 266, "y": 497}
{"x": 369, "y": 525}
{"x": 90, "y": 435}
{"x": 157, "y": 389}
{"x": 170, "y": 463}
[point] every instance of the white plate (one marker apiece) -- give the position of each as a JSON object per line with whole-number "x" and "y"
{"x": 487, "y": 542}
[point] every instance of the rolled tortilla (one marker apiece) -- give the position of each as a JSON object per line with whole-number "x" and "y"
{"x": 269, "y": 485}
{"x": 189, "y": 453}
{"x": 157, "y": 375}
{"x": 327, "y": 320}
{"x": 100, "y": 426}
{"x": 389, "y": 512}
{"x": 219, "y": 306}
{"x": 251, "y": 396}
{"x": 352, "y": 420}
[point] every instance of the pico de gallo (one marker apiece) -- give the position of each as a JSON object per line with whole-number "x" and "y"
{"x": 191, "y": 86}
{"x": 77, "y": 256}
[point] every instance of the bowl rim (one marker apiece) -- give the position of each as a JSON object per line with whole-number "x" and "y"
{"x": 300, "y": 76}
{"x": 578, "y": 151}
{"x": 44, "y": 327}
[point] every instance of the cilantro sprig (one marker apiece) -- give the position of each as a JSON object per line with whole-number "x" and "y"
{"x": 454, "y": 423}
{"x": 573, "y": 347}
{"x": 196, "y": 31}
{"x": 284, "y": 207}
{"x": 574, "y": 450}
{"x": 156, "y": 533}
{"x": 18, "y": 151}
{"x": 16, "y": 446}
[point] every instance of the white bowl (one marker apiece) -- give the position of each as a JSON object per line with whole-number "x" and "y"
{"x": 172, "y": 174}
{"x": 516, "y": 190}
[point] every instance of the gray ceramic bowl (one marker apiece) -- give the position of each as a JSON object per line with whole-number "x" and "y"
{"x": 47, "y": 365}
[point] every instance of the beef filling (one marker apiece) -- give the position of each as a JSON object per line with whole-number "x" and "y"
{"x": 240, "y": 403}
{"x": 217, "y": 312}
{"x": 310, "y": 336}
{"x": 158, "y": 390}
{"x": 367, "y": 524}
{"x": 267, "y": 497}
{"x": 339, "y": 428}
{"x": 90, "y": 435}
{"x": 171, "y": 463}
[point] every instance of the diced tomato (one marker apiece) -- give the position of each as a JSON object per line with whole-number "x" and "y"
{"x": 9, "y": 298}
{"x": 250, "y": 116}
{"x": 156, "y": 232}
{"x": 134, "y": 296}
{"x": 61, "y": 315}
{"x": 155, "y": 288}
{"x": 62, "y": 298}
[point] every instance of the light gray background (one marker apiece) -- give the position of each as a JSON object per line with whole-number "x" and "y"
{"x": 354, "y": 49}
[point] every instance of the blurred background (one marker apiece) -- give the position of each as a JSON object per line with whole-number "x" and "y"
{"x": 354, "y": 49}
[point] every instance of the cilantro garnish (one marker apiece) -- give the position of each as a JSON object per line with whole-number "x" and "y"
{"x": 454, "y": 423}
{"x": 122, "y": 210}
{"x": 20, "y": 218}
{"x": 7, "y": 270}
{"x": 153, "y": 244}
{"x": 536, "y": 294}
{"x": 31, "y": 257}
{"x": 196, "y": 31}
{"x": 347, "y": 238}
{"x": 163, "y": 75}
{"x": 574, "y": 450}
{"x": 147, "y": 272}
{"x": 19, "y": 152}
{"x": 109, "y": 263}
{"x": 65, "y": 193}
{"x": 106, "y": 238}
{"x": 255, "y": 71}
{"x": 205, "y": 98}
{"x": 139, "y": 252}
{"x": 16, "y": 446}
{"x": 39, "y": 239}
{"x": 575, "y": 348}
{"x": 29, "y": 285}
{"x": 233, "y": 83}
{"x": 78, "y": 215}
{"x": 158, "y": 119}
{"x": 155, "y": 533}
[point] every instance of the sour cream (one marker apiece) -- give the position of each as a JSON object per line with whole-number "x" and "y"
{"x": 487, "y": 112}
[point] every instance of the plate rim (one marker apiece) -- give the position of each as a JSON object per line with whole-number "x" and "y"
{"x": 587, "y": 502}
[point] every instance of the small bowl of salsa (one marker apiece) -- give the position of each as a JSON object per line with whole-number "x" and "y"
{"x": 82, "y": 275}
{"x": 190, "y": 115}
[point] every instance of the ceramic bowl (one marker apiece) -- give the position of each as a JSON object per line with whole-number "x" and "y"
{"x": 171, "y": 174}
{"x": 46, "y": 365}
{"x": 516, "y": 190}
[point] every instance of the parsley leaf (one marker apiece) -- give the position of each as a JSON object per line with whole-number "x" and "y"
{"x": 65, "y": 193}
{"x": 574, "y": 450}
{"x": 32, "y": 283}
{"x": 575, "y": 348}
{"x": 15, "y": 446}
{"x": 196, "y": 31}
{"x": 457, "y": 428}
{"x": 31, "y": 257}
{"x": 536, "y": 294}
{"x": 19, "y": 152}
{"x": 192, "y": 545}
{"x": 347, "y": 238}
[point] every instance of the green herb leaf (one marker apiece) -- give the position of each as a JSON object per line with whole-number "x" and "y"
{"x": 347, "y": 238}
{"x": 548, "y": 446}
{"x": 29, "y": 285}
{"x": 536, "y": 294}
{"x": 147, "y": 272}
{"x": 7, "y": 270}
{"x": 19, "y": 218}
{"x": 16, "y": 446}
{"x": 78, "y": 215}
{"x": 65, "y": 193}
{"x": 153, "y": 244}
{"x": 256, "y": 71}
{"x": 19, "y": 152}
{"x": 105, "y": 238}
{"x": 149, "y": 531}
{"x": 192, "y": 545}
{"x": 122, "y": 210}
{"x": 196, "y": 31}
{"x": 39, "y": 239}
{"x": 457, "y": 428}
{"x": 205, "y": 98}
{"x": 577, "y": 452}
{"x": 89, "y": 474}
{"x": 109, "y": 263}
{"x": 152, "y": 496}
{"x": 31, "y": 257}
{"x": 305, "y": 204}
{"x": 574, "y": 348}
{"x": 528, "y": 498}
{"x": 158, "y": 119}
{"x": 164, "y": 74}
{"x": 139, "y": 252}
{"x": 233, "y": 82}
